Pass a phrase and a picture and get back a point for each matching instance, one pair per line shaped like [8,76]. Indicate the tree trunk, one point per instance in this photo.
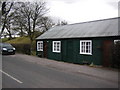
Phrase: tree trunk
[9,33]
[3,28]
[21,33]
[4,23]
[31,43]
[10,36]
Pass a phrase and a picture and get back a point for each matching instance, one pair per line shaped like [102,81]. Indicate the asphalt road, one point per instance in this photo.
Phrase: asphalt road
[18,73]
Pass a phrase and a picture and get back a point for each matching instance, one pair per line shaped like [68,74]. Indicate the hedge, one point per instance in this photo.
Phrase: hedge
[22,48]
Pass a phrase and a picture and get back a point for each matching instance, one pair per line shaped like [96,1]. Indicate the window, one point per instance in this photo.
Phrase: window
[56,46]
[40,46]
[86,47]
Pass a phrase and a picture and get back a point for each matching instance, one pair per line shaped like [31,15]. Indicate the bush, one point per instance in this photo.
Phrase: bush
[22,48]
[22,45]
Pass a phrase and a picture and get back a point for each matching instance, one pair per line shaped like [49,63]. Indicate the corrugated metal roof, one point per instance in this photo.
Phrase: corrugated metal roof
[98,28]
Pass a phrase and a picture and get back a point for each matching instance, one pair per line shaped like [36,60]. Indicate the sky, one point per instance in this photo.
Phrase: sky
[75,11]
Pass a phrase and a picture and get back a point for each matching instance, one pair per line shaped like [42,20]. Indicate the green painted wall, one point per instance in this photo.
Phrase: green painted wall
[96,56]
[70,51]
[51,54]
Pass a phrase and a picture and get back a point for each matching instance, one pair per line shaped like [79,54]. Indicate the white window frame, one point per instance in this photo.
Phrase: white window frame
[39,45]
[84,47]
[56,48]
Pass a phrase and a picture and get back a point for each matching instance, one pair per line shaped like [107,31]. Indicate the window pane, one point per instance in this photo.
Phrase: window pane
[82,43]
[82,49]
[56,46]
[58,43]
[57,49]
[87,43]
[85,47]
[40,46]
[82,46]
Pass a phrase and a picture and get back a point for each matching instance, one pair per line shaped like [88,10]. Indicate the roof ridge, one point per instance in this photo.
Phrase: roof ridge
[109,27]
[93,21]
[87,22]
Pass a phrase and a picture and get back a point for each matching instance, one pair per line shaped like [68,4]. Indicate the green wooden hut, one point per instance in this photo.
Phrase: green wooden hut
[87,42]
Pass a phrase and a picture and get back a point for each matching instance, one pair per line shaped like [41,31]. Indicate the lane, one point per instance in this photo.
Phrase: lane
[10,83]
[36,76]
[11,76]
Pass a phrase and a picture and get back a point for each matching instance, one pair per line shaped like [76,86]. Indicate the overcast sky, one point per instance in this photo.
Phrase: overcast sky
[74,11]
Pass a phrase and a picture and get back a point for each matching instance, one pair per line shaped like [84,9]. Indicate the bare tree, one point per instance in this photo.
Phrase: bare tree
[19,19]
[46,23]
[61,23]
[6,8]
[29,16]
[38,11]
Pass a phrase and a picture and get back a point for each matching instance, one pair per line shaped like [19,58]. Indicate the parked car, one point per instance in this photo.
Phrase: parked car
[7,48]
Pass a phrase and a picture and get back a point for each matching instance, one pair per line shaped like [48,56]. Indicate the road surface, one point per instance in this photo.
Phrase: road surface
[19,73]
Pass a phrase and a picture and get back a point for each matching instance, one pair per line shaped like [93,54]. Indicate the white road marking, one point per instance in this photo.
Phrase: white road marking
[11,76]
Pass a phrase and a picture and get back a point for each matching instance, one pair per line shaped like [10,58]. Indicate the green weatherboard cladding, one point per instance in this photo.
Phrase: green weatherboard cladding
[51,54]
[100,32]
[70,51]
